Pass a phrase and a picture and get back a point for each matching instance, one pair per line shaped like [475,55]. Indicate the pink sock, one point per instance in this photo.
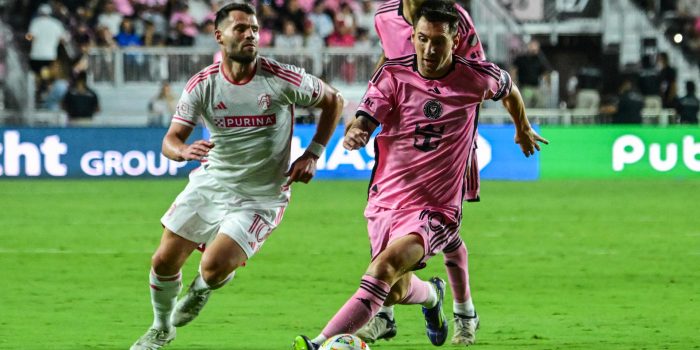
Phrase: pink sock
[360,308]
[418,291]
[458,271]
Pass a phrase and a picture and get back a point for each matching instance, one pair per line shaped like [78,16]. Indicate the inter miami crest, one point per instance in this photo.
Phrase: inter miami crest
[432,109]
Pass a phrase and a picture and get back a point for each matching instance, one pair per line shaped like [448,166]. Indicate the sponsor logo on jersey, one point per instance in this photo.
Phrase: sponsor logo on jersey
[245,121]
[264,102]
[432,109]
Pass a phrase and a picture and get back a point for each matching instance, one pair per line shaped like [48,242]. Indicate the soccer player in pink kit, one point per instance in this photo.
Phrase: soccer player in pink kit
[427,104]
[235,200]
[393,25]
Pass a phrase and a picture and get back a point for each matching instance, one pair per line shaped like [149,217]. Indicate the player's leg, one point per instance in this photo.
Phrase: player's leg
[219,262]
[408,290]
[466,321]
[165,282]
[400,257]
[242,234]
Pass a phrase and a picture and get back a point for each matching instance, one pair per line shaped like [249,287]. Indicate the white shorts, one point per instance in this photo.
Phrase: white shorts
[205,208]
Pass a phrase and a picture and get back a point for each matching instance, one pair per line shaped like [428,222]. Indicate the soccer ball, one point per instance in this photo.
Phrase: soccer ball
[344,342]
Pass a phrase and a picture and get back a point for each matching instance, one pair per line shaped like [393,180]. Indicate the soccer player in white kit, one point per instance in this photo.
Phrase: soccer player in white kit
[235,200]
[428,106]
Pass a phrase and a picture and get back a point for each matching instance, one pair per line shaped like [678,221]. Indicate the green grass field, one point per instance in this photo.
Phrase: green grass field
[554,265]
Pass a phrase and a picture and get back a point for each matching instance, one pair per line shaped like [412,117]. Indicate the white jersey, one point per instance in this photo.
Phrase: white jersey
[250,124]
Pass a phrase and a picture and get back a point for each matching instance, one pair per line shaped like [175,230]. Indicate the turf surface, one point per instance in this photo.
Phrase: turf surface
[554,265]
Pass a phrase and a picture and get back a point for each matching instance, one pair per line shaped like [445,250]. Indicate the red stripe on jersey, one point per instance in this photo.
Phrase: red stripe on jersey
[184,120]
[199,78]
[292,77]
[201,73]
[279,67]
[289,80]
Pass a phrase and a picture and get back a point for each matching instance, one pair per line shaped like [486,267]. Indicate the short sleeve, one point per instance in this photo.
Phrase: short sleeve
[377,102]
[296,85]
[470,46]
[497,81]
[189,107]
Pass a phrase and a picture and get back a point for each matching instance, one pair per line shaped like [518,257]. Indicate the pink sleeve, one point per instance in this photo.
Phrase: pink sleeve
[377,103]
[498,80]
[470,44]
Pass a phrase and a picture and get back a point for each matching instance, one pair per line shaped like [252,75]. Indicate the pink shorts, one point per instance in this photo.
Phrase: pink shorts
[437,227]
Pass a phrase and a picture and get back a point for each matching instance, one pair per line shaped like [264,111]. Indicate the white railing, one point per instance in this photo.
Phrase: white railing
[139,65]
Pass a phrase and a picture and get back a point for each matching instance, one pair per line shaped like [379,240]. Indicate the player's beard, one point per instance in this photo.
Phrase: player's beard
[243,57]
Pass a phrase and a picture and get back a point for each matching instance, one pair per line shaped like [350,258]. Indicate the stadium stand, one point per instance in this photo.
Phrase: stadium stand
[130,46]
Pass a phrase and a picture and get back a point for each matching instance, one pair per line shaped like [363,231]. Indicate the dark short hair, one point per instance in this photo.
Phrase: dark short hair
[438,11]
[223,12]
[690,87]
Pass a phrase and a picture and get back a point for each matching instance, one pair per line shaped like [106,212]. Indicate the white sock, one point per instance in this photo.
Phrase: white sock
[164,291]
[388,310]
[466,308]
[319,340]
[432,298]
[200,284]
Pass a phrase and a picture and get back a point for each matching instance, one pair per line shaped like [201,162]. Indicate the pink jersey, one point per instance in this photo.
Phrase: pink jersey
[395,32]
[428,128]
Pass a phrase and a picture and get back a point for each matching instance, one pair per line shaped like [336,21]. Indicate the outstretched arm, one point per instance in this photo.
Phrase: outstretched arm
[303,168]
[525,136]
[175,148]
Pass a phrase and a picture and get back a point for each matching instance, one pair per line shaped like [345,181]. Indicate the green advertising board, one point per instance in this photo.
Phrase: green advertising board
[620,152]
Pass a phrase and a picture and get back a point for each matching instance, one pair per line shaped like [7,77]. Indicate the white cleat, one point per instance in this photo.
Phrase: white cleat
[154,339]
[189,306]
[379,327]
[465,329]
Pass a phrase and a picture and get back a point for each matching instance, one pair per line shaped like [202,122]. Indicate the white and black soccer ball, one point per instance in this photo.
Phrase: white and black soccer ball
[344,342]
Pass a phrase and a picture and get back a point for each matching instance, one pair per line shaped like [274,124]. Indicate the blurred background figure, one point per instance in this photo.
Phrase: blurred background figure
[627,107]
[668,89]
[80,102]
[530,69]
[45,33]
[688,106]
[162,106]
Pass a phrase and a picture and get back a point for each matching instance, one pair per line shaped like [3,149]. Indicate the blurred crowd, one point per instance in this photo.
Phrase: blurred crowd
[60,34]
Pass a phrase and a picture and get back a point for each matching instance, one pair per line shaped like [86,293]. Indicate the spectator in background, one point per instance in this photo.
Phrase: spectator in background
[45,33]
[530,68]
[627,109]
[127,35]
[80,102]
[205,37]
[312,40]
[346,16]
[161,107]
[365,19]
[179,36]
[343,37]
[688,106]
[55,84]
[323,23]
[289,38]
[650,85]
[667,79]
[587,92]
[110,18]
[104,38]
[293,12]
[151,37]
